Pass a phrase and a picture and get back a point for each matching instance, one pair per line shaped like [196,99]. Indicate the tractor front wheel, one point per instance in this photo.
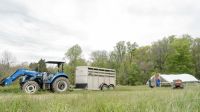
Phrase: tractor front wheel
[60,85]
[30,87]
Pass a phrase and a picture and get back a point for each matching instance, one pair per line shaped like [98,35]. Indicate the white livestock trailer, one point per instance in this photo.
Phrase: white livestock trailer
[93,78]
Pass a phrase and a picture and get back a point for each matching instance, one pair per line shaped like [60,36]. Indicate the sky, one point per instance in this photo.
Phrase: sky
[35,29]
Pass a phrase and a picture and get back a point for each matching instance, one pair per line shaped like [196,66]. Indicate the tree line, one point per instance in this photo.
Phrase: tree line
[134,64]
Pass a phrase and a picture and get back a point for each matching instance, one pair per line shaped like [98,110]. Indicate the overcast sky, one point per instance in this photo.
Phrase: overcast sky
[34,29]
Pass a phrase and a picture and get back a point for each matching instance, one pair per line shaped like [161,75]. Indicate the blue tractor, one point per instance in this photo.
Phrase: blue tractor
[32,81]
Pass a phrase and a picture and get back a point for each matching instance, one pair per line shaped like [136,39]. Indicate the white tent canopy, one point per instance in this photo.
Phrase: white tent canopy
[170,77]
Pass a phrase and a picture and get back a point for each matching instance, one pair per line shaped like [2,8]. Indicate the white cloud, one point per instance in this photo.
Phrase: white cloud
[37,29]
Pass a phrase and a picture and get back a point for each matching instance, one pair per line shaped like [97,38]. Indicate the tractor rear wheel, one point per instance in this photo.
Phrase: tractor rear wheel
[30,87]
[60,85]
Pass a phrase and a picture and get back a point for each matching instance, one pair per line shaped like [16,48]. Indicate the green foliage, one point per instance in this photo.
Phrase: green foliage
[70,71]
[40,66]
[120,52]
[144,62]
[160,51]
[173,55]
[196,56]
[180,57]
[33,66]
[133,74]
[73,54]
[100,59]
[123,56]
[134,65]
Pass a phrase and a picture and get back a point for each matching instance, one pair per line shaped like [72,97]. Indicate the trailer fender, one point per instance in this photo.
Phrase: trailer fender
[103,86]
[112,85]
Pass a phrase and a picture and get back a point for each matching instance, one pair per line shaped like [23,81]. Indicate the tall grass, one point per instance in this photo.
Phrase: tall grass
[123,99]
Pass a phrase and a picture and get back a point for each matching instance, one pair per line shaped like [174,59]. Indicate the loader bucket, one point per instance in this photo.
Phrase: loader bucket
[2,81]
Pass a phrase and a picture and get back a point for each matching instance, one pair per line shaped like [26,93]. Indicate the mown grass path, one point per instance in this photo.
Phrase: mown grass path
[122,99]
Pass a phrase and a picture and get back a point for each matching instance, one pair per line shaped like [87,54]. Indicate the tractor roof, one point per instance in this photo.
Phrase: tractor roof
[55,62]
[59,63]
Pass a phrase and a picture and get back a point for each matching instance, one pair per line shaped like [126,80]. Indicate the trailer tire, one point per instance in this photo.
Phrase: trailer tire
[104,87]
[60,85]
[30,87]
[111,87]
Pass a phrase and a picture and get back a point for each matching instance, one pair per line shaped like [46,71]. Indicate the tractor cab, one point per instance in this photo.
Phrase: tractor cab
[53,72]
[52,79]
[60,65]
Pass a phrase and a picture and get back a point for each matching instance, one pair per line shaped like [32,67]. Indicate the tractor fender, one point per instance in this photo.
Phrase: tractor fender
[57,76]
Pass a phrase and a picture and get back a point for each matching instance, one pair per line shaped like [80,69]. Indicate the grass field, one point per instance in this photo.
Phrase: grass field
[122,99]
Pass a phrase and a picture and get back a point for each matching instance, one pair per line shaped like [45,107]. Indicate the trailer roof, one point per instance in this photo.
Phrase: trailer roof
[89,67]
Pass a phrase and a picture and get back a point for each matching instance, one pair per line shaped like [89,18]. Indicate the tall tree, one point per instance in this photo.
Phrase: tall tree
[120,51]
[159,53]
[74,53]
[119,55]
[131,48]
[180,58]
[33,66]
[122,58]
[6,60]
[196,56]
[144,62]
[74,56]
[41,66]
[100,59]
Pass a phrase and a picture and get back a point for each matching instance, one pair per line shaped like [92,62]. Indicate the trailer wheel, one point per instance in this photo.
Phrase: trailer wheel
[30,87]
[111,87]
[104,87]
[60,85]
